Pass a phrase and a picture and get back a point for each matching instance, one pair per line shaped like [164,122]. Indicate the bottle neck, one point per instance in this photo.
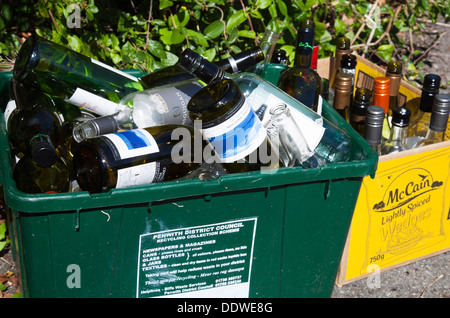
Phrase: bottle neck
[398,134]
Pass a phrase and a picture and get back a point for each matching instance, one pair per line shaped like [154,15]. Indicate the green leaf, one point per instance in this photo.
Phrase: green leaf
[75,43]
[128,50]
[385,51]
[247,34]
[263,4]
[214,29]
[282,7]
[165,4]
[236,19]
[156,49]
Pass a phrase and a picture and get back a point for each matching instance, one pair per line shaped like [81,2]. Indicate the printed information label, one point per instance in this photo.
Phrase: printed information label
[204,261]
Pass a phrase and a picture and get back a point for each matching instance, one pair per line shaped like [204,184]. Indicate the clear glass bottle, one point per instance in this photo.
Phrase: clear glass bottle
[420,122]
[381,98]
[71,76]
[293,147]
[438,121]
[342,94]
[394,73]
[358,111]
[374,127]
[301,81]
[137,157]
[332,143]
[397,138]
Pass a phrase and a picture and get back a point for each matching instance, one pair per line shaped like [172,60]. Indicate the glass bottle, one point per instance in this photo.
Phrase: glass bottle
[381,98]
[394,73]
[358,111]
[342,47]
[348,66]
[232,128]
[33,178]
[137,157]
[161,105]
[342,94]
[175,74]
[438,121]
[397,138]
[294,150]
[374,127]
[71,76]
[325,138]
[301,81]
[267,45]
[419,123]
[34,125]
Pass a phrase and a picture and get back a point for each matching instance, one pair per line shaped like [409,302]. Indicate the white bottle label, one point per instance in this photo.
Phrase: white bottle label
[112,69]
[93,103]
[237,136]
[8,110]
[136,175]
[132,143]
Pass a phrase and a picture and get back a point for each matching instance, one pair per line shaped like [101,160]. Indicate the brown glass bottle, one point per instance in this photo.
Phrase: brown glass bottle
[394,73]
[342,94]
[342,47]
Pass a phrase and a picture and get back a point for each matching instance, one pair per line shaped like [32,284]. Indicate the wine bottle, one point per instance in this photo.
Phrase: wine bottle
[348,66]
[374,127]
[262,96]
[175,74]
[381,98]
[301,81]
[232,128]
[358,111]
[397,137]
[138,157]
[342,94]
[420,122]
[33,178]
[34,125]
[71,76]
[342,47]
[394,73]
[438,121]
[160,105]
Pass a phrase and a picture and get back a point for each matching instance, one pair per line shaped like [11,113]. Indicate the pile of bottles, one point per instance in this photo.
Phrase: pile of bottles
[77,124]
[374,110]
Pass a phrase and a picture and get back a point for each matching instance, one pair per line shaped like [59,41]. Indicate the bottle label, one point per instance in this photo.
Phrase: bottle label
[93,103]
[112,69]
[131,143]
[8,110]
[237,136]
[170,102]
[142,174]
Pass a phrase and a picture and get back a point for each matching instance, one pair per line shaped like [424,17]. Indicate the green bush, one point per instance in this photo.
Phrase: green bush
[150,34]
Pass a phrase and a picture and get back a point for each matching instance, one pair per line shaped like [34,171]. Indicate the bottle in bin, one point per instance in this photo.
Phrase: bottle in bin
[330,142]
[397,138]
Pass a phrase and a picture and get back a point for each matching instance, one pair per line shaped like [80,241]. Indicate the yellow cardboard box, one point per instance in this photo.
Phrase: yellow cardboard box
[402,214]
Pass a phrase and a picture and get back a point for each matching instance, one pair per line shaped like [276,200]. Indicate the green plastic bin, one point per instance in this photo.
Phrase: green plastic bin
[243,235]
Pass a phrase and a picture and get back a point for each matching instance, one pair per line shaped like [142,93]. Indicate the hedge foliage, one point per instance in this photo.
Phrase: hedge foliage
[150,34]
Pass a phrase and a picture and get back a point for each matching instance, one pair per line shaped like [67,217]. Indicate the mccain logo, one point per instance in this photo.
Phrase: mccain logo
[406,187]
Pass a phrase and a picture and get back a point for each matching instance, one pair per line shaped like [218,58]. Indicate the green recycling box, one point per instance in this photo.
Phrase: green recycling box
[255,234]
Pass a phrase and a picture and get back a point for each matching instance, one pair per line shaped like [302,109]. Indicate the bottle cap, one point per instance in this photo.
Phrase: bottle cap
[401,116]
[431,83]
[381,92]
[348,61]
[361,101]
[305,36]
[189,60]
[42,151]
[202,68]
[374,124]
[343,81]
[440,113]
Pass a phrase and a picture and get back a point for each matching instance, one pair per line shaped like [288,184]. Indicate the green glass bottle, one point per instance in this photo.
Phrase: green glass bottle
[71,76]
[32,178]
[138,157]
[394,73]
[358,111]
[342,47]
[301,81]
